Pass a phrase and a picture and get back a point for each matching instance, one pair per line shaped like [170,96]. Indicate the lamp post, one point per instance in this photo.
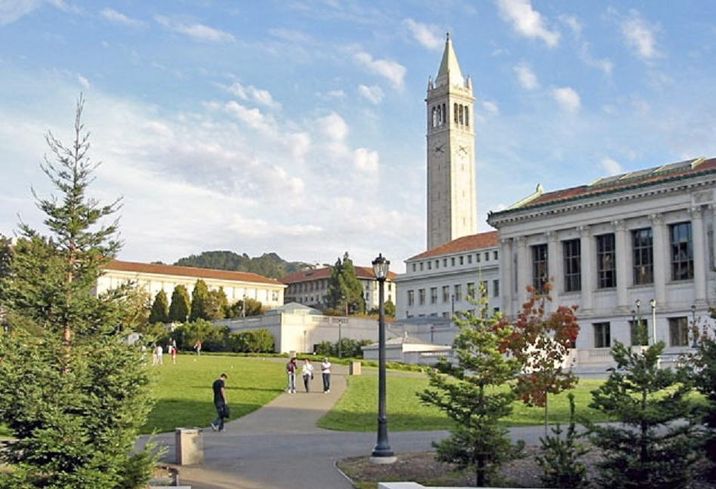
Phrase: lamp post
[694,329]
[652,303]
[382,453]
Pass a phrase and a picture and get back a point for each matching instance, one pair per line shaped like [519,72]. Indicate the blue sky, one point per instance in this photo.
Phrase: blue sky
[299,126]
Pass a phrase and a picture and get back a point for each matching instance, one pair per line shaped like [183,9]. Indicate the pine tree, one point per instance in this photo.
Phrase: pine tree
[468,393]
[655,445]
[216,305]
[180,306]
[199,300]
[345,292]
[72,392]
[160,308]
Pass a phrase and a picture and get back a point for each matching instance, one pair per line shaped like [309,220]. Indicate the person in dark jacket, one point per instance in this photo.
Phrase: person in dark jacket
[220,403]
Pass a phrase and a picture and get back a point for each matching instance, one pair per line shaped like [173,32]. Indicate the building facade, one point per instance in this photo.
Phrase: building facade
[155,277]
[310,287]
[452,208]
[637,246]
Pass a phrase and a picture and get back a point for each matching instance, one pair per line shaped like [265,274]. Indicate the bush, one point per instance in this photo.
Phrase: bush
[256,341]
[349,348]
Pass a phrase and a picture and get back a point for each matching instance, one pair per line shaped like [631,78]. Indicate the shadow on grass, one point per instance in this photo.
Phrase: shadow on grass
[169,414]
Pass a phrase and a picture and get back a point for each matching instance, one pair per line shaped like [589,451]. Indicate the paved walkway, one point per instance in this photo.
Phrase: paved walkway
[279,445]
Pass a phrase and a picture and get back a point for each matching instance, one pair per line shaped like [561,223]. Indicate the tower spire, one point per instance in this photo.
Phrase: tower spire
[449,71]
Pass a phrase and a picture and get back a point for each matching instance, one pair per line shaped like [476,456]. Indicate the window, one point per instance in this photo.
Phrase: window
[572,252]
[539,267]
[437,264]
[446,314]
[421,297]
[461,260]
[469,259]
[496,288]
[483,288]
[477,257]
[446,293]
[487,256]
[452,261]
[495,255]
[421,266]
[458,292]
[454,109]
[414,266]
[682,251]
[642,245]
[433,295]
[606,258]
[411,297]
[639,337]
[467,115]
[470,290]
[444,262]
[679,331]
[430,265]
[602,337]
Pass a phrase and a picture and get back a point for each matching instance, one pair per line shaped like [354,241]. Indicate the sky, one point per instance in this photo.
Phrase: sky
[298,127]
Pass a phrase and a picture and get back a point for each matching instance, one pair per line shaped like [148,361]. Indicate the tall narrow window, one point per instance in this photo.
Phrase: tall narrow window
[483,289]
[606,261]
[679,331]
[572,253]
[639,332]
[433,295]
[539,267]
[471,290]
[446,293]
[434,119]
[458,293]
[411,297]
[421,297]
[445,115]
[467,116]
[642,245]
[495,288]
[682,251]
[454,108]
[602,335]
[461,115]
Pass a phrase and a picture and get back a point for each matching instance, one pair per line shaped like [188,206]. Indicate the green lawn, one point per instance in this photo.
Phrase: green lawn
[356,410]
[184,396]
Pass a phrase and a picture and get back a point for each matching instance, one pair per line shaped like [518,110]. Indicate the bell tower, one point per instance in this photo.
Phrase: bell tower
[452,205]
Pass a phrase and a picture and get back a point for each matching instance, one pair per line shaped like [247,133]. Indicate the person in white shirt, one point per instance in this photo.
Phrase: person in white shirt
[326,374]
[160,355]
[307,373]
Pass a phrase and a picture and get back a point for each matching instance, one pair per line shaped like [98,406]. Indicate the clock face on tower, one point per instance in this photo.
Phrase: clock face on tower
[439,148]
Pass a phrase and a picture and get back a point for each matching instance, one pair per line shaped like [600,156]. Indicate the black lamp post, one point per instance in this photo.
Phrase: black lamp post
[694,329]
[382,453]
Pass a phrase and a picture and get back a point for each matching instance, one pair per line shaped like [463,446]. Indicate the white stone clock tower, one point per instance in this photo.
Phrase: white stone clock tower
[452,206]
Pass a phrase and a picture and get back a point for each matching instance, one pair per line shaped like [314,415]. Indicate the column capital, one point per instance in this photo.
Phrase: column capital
[505,241]
[696,212]
[551,236]
[585,231]
[619,224]
[521,241]
[657,219]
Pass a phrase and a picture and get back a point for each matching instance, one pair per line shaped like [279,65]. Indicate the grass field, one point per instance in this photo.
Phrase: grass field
[356,410]
[184,396]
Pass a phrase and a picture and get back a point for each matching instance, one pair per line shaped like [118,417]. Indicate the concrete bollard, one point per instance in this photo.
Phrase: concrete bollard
[354,368]
[189,446]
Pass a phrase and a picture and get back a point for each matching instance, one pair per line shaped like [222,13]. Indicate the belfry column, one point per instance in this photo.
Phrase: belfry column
[620,239]
[585,234]
[661,263]
[700,261]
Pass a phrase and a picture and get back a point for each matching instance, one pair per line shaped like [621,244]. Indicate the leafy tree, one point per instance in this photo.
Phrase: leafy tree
[73,394]
[655,444]
[136,307]
[160,308]
[256,341]
[199,300]
[216,304]
[180,306]
[541,342]
[388,308]
[268,264]
[246,307]
[345,292]
[469,393]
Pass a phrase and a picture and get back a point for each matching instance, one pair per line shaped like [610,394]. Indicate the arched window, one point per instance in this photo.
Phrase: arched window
[445,114]
[467,115]
[434,119]
[455,112]
[440,115]
[461,115]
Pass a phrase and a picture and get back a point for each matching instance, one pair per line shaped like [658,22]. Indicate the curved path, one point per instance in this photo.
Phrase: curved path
[279,445]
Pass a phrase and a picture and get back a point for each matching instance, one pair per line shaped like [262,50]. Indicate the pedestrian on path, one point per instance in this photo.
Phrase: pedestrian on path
[159,355]
[326,374]
[220,403]
[291,371]
[307,373]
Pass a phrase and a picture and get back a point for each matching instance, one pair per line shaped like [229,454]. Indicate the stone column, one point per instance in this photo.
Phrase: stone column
[554,263]
[523,271]
[587,269]
[622,263]
[700,259]
[506,287]
[661,258]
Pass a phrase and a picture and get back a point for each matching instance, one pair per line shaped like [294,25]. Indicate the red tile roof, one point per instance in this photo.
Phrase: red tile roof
[325,272]
[640,178]
[207,273]
[466,243]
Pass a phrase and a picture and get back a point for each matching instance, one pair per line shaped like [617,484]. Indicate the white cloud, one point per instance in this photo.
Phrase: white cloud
[12,10]
[567,98]
[390,70]
[199,32]
[119,18]
[573,23]
[612,167]
[374,94]
[490,107]
[427,35]
[335,94]
[252,117]
[526,21]
[526,76]
[333,126]
[253,94]
[640,36]
[84,82]
[365,160]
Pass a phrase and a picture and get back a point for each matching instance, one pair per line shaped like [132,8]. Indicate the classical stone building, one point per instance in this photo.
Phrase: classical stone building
[310,287]
[155,277]
[635,245]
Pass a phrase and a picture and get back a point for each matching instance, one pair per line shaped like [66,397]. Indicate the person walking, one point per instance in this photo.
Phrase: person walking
[220,403]
[291,371]
[326,374]
[307,373]
[197,347]
[160,355]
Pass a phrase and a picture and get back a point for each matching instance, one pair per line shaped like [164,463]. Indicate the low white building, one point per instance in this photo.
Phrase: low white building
[446,279]
[407,349]
[614,248]
[154,277]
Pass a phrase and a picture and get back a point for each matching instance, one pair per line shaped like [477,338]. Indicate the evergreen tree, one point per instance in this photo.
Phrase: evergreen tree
[655,445]
[160,308]
[180,305]
[72,392]
[468,393]
[199,300]
[5,256]
[345,292]
[246,307]
[216,305]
